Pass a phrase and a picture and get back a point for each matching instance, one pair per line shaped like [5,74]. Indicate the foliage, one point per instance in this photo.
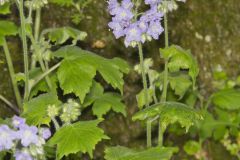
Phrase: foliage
[77,137]
[123,153]
[35,111]
[170,112]
[227,99]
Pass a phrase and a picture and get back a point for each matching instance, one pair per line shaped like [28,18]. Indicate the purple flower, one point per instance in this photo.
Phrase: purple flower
[46,133]
[133,34]
[18,121]
[117,29]
[155,29]
[112,5]
[143,25]
[123,14]
[127,4]
[19,155]
[7,136]
[28,135]
[135,29]
[152,15]
[152,2]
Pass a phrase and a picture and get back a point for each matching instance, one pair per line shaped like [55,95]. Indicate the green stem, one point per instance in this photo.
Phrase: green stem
[36,33]
[37,24]
[44,70]
[144,79]
[38,79]
[165,83]
[10,105]
[55,123]
[25,49]
[12,74]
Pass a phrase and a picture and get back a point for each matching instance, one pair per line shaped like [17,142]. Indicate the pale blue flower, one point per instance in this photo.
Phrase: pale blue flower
[28,135]
[46,133]
[18,121]
[7,136]
[19,155]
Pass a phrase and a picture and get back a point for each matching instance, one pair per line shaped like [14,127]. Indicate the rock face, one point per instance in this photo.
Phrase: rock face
[209,28]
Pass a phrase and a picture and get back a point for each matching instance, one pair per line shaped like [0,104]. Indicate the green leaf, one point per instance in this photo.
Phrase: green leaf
[5,8]
[141,98]
[77,137]
[108,101]
[7,28]
[75,76]
[180,84]
[35,110]
[42,86]
[79,67]
[103,102]
[227,99]
[216,126]
[192,147]
[154,153]
[62,2]
[181,59]
[61,35]
[170,113]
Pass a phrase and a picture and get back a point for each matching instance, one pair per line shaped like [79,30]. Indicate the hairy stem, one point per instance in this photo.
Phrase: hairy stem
[25,49]
[12,74]
[47,78]
[144,79]
[10,105]
[55,123]
[38,79]
[36,33]
[165,81]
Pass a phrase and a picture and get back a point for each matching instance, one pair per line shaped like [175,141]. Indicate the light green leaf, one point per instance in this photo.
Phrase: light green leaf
[62,2]
[141,98]
[77,137]
[103,102]
[61,35]
[79,68]
[123,153]
[5,8]
[227,99]
[75,76]
[35,110]
[95,91]
[180,84]
[170,113]
[181,59]
[42,86]
[107,101]
[192,147]
[7,28]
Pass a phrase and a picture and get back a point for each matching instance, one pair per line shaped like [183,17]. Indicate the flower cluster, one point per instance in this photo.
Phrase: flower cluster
[25,141]
[126,23]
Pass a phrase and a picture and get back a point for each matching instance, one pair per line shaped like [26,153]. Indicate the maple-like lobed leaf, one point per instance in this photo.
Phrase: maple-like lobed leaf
[81,137]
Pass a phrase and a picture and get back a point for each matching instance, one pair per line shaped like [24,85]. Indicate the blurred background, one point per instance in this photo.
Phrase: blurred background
[209,28]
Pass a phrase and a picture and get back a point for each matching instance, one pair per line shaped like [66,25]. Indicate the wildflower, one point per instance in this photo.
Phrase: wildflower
[45,133]
[19,155]
[135,29]
[18,121]
[28,135]
[7,136]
